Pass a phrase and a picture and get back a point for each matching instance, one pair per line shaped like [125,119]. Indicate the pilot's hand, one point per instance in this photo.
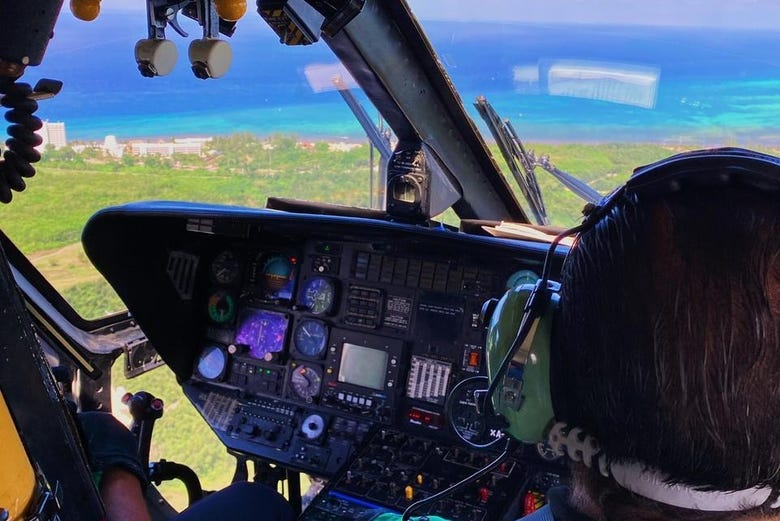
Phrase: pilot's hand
[110,444]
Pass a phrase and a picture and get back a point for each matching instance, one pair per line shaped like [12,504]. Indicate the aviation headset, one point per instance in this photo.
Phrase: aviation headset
[520,325]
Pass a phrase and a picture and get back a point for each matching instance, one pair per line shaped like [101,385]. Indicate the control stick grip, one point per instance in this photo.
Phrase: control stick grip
[145,409]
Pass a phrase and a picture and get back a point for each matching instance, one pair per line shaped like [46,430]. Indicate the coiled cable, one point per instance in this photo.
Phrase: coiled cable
[20,149]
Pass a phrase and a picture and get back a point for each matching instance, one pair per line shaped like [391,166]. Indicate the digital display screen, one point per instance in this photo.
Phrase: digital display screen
[262,331]
[440,318]
[363,366]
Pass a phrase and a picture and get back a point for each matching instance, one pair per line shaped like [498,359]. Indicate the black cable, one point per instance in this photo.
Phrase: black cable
[20,149]
[509,448]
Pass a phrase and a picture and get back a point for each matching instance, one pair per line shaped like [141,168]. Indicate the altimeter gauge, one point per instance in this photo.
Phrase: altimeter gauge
[306,381]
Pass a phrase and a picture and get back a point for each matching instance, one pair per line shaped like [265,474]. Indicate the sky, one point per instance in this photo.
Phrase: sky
[711,13]
[763,14]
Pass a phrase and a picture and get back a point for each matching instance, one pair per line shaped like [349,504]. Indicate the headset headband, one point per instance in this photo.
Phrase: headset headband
[699,169]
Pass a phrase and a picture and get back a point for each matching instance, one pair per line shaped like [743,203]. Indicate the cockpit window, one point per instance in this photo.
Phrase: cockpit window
[276,125]
[597,88]
[583,89]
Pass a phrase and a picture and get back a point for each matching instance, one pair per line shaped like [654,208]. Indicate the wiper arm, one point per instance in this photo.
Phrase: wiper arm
[379,140]
[520,163]
[576,185]
[512,147]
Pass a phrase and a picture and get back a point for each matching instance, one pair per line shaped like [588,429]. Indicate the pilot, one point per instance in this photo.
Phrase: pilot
[121,479]
[667,354]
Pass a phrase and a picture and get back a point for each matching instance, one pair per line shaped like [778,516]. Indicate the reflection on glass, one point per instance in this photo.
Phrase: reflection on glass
[621,83]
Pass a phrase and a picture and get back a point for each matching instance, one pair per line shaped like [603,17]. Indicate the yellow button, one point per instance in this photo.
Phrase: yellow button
[86,10]
[230,10]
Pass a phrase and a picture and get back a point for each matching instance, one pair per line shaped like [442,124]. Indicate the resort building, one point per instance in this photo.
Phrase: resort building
[169,148]
[52,133]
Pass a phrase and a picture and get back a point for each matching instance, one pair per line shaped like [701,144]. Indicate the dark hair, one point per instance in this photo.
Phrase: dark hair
[669,346]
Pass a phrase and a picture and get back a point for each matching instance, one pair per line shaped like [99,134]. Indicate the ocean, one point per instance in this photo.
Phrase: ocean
[651,84]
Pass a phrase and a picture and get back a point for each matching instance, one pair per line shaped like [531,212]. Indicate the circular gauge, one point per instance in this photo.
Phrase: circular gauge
[221,307]
[313,426]
[305,381]
[521,277]
[318,295]
[477,430]
[310,337]
[276,273]
[212,362]
[225,268]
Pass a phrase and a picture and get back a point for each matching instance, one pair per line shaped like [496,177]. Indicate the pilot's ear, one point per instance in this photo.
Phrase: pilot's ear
[772,284]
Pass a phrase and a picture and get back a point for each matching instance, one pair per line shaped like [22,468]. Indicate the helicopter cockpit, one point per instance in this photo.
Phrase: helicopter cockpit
[344,339]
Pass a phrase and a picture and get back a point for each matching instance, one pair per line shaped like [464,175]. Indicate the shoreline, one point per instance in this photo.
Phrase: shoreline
[671,144]
[160,138]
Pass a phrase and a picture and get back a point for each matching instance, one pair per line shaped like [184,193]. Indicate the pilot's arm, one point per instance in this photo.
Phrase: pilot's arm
[123,496]
[118,472]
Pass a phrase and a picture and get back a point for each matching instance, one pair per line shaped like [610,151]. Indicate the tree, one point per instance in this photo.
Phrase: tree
[238,153]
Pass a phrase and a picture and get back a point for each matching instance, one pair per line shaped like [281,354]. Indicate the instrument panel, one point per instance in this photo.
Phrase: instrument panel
[300,337]
[370,331]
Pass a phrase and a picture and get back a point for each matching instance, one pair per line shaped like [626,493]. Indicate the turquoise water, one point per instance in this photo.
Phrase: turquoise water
[302,120]
[710,87]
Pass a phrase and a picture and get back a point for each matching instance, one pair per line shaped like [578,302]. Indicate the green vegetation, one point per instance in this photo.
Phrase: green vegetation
[66,192]
[181,435]
[603,167]
[94,298]
[46,222]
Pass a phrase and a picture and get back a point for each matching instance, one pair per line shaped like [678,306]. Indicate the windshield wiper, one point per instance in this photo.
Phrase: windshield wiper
[523,163]
[576,185]
[378,137]
[520,163]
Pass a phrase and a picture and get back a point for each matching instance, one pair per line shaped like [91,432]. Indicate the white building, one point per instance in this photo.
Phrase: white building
[193,145]
[52,133]
[112,146]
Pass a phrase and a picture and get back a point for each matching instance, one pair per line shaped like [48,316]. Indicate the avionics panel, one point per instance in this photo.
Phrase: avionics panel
[297,336]
[362,374]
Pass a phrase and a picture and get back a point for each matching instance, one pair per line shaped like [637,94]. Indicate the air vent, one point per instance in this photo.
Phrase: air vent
[181,270]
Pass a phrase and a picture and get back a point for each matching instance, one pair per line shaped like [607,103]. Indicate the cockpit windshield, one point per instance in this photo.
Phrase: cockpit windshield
[585,89]
[294,204]
[597,88]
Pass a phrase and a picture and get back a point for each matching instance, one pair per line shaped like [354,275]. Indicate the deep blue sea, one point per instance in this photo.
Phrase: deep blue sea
[712,87]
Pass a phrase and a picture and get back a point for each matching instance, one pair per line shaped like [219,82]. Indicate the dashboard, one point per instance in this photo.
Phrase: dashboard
[328,345]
